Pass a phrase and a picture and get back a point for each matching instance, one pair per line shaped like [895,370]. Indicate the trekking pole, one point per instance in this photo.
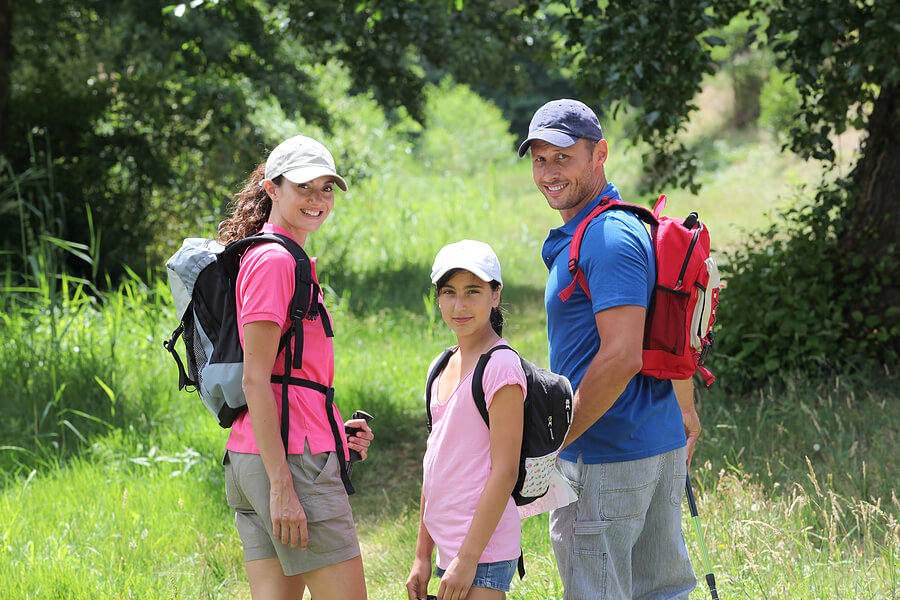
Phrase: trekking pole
[710,578]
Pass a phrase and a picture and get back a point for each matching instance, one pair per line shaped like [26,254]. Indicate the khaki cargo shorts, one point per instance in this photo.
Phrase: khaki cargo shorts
[317,481]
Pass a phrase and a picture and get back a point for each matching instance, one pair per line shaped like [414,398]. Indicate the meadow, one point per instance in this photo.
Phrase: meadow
[112,486]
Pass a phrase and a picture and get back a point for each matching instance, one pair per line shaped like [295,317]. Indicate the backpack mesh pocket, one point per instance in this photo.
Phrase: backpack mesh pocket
[669,316]
[196,355]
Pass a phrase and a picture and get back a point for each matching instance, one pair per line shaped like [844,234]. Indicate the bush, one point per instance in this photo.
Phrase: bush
[779,101]
[797,302]
[464,133]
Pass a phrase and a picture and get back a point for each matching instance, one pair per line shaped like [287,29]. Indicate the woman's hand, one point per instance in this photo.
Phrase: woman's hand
[361,439]
[417,582]
[457,580]
[288,516]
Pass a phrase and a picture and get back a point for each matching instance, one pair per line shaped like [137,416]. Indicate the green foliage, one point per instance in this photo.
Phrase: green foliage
[840,55]
[796,301]
[465,134]
[779,99]
[147,108]
[623,54]
[69,374]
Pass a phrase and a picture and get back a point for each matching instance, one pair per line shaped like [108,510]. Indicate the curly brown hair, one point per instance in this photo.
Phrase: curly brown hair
[249,209]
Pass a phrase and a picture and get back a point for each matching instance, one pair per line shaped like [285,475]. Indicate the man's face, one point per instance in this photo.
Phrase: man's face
[569,177]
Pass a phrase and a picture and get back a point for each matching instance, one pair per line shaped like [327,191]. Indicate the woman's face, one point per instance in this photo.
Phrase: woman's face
[466,302]
[301,208]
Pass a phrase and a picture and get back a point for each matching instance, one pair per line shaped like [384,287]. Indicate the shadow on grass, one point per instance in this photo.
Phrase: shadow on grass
[388,482]
[406,287]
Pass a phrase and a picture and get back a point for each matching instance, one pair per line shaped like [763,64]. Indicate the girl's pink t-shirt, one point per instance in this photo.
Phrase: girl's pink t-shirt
[458,461]
[265,287]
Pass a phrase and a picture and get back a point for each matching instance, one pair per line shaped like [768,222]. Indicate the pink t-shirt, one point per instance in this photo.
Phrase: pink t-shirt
[265,287]
[458,461]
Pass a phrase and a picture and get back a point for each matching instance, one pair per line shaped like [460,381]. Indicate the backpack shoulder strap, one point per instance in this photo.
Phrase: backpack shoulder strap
[436,370]
[606,203]
[575,250]
[478,382]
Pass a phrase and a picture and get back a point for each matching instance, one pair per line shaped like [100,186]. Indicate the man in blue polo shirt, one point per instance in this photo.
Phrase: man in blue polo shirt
[632,435]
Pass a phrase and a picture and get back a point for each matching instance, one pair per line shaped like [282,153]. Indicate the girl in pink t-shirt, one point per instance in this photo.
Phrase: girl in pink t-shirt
[467,511]
[291,508]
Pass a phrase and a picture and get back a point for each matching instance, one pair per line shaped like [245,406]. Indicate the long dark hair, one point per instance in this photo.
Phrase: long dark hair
[249,209]
[496,311]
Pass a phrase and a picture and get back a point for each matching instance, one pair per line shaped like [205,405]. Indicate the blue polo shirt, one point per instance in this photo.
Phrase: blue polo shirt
[618,262]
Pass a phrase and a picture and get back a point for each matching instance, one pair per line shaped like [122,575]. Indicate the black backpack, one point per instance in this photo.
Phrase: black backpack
[202,276]
[548,415]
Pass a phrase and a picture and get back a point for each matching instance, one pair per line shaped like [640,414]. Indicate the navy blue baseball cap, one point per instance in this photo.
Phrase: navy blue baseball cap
[562,123]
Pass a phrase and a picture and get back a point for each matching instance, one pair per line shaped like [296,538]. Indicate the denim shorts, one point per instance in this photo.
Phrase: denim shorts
[495,575]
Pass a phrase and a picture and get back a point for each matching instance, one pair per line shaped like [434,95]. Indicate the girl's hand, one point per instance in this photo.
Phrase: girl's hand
[361,439]
[417,582]
[288,516]
[457,580]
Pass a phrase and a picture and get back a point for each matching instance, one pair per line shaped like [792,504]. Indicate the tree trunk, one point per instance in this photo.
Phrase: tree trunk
[6,52]
[875,219]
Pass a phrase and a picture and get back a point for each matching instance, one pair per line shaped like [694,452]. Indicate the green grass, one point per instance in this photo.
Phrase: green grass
[795,489]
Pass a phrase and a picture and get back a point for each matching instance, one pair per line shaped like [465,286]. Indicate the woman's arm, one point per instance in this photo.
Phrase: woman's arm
[507,417]
[417,582]
[260,350]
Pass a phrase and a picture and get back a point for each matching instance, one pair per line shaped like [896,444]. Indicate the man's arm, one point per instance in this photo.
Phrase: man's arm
[621,330]
[684,392]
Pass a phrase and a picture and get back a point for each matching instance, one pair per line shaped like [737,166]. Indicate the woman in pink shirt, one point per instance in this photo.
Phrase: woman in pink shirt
[467,510]
[291,507]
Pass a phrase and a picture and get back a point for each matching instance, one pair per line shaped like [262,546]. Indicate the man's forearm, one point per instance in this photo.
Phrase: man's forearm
[602,384]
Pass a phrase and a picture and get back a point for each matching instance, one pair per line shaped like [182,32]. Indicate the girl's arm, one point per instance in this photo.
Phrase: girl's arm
[507,417]
[260,350]
[417,582]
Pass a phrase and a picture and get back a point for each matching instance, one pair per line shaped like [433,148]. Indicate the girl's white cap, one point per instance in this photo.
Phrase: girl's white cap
[301,159]
[471,255]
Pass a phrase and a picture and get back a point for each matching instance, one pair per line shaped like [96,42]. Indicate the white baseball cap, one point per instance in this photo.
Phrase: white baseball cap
[300,159]
[471,255]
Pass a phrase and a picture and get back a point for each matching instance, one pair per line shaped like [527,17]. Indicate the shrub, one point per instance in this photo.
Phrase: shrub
[796,301]
[464,133]
[779,101]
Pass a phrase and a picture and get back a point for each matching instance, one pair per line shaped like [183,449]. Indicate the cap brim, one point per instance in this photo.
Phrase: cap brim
[479,273]
[306,174]
[551,136]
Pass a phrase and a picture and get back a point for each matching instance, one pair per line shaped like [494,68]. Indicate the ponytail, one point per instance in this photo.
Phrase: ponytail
[249,209]
[497,320]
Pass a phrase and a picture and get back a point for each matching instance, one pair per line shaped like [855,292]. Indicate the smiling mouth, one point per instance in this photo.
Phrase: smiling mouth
[311,213]
[555,188]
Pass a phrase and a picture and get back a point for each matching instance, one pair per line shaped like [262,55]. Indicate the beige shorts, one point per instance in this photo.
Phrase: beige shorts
[317,481]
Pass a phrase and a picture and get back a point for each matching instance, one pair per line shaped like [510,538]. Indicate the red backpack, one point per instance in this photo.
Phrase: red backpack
[678,329]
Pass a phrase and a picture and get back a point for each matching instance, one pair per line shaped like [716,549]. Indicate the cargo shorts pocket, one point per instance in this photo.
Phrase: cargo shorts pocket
[329,519]
[590,560]
[589,537]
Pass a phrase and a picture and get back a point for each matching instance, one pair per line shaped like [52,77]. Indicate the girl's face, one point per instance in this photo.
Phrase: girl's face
[301,208]
[466,302]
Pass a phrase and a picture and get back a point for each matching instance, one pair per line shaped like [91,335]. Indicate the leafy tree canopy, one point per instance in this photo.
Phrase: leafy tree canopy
[144,109]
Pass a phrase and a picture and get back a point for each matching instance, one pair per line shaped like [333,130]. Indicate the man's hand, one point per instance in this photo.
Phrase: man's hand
[684,392]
